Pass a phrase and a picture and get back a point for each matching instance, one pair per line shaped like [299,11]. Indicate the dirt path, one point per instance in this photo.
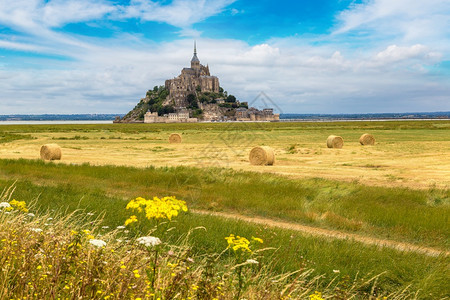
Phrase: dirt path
[334,234]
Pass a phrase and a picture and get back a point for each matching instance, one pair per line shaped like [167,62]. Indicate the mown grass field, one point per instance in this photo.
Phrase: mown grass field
[408,153]
[398,189]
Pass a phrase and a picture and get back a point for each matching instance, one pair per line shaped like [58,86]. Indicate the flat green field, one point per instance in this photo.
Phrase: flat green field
[397,190]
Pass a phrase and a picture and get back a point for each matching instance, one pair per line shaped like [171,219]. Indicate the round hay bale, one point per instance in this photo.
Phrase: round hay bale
[367,139]
[51,152]
[334,141]
[175,138]
[262,156]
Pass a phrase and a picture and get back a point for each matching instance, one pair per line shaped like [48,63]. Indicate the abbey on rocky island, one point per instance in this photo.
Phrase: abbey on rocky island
[193,96]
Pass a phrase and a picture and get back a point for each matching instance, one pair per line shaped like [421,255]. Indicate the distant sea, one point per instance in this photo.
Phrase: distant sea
[58,119]
[374,116]
[108,118]
[50,122]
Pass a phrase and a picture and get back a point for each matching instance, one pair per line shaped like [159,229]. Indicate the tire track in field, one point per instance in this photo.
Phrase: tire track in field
[333,234]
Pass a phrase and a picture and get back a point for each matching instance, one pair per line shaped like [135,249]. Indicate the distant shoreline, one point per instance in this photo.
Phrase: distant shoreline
[54,122]
[93,122]
[109,118]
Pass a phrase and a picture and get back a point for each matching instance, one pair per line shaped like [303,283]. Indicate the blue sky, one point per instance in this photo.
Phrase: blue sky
[342,56]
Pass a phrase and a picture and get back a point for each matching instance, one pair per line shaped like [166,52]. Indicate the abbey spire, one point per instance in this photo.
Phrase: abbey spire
[195,62]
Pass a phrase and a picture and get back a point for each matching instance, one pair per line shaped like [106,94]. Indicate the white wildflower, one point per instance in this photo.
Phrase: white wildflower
[120,227]
[49,219]
[149,241]
[90,214]
[97,243]
[105,227]
[39,256]
[36,230]
[336,271]
[4,205]
[31,215]
[252,261]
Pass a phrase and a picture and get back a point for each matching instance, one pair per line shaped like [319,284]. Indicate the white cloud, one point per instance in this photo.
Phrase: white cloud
[259,54]
[110,75]
[395,53]
[109,79]
[411,21]
[179,13]
[59,12]
[21,46]
[36,14]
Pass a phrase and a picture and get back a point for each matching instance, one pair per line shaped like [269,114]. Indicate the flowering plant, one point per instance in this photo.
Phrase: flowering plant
[14,204]
[156,208]
[241,244]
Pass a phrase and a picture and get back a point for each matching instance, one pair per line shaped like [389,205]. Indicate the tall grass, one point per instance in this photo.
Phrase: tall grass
[420,217]
[54,255]
[106,190]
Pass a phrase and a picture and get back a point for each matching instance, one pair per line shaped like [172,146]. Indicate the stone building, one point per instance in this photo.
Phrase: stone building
[253,114]
[181,116]
[189,81]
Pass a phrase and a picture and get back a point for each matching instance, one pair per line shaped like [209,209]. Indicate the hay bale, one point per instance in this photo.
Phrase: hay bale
[175,138]
[367,139]
[334,141]
[262,156]
[51,152]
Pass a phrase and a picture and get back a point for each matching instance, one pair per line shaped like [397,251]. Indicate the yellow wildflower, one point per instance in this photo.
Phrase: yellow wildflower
[156,208]
[130,220]
[316,296]
[238,243]
[19,205]
[257,239]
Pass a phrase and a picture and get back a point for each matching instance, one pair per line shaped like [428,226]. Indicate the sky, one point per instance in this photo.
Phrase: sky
[328,56]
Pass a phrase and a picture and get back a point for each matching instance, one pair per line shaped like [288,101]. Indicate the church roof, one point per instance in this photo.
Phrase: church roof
[195,58]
